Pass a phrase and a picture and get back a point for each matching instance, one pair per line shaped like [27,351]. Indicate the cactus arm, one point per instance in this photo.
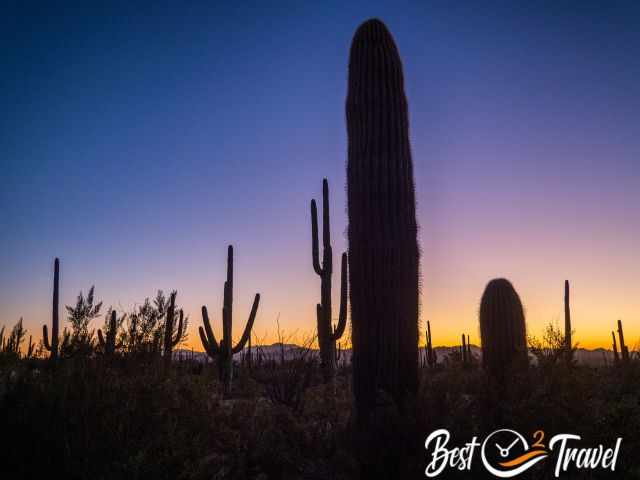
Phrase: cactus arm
[207,336]
[315,255]
[45,338]
[249,326]
[342,318]
[208,347]
[178,336]
[615,348]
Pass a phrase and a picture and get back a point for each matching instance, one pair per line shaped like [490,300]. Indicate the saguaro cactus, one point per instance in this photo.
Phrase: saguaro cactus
[171,340]
[469,358]
[624,350]
[224,351]
[616,357]
[430,353]
[326,337]
[463,350]
[502,328]
[383,246]
[567,324]
[53,346]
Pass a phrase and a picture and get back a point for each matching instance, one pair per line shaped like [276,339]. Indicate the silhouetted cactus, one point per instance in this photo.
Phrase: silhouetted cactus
[463,351]
[53,345]
[171,340]
[469,357]
[383,247]
[430,354]
[624,350]
[616,357]
[502,328]
[326,337]
[224,351]
[567,324]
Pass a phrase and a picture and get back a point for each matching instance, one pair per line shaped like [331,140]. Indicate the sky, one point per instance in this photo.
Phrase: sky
[139,139]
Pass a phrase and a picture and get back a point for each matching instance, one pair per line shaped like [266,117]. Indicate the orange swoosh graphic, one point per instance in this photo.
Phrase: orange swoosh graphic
[523,458]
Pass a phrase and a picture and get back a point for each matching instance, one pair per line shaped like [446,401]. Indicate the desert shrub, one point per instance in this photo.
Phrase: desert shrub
[125,417]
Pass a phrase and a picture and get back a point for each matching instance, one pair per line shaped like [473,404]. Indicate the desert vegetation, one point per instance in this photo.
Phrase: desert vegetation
[129,402]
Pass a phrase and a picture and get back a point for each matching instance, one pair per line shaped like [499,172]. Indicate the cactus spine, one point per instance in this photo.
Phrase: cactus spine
[53,346]
[224,351]
[568,345]
[326,337]
[624,350]
[502,328]
[383,247]
[170,341]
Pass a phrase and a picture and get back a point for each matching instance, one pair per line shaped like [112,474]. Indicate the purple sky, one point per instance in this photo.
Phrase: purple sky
[138,141]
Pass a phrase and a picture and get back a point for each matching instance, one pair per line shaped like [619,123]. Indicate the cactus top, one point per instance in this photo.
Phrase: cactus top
[502,326]
[380,169]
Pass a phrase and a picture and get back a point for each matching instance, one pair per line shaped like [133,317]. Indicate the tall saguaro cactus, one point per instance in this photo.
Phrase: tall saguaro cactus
[327,336]
[171,340]
[53,345]
[502,328]
[567,323]
[224,351]
[383,246]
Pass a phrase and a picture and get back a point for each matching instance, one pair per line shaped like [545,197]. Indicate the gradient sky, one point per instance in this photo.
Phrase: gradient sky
[137,141]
